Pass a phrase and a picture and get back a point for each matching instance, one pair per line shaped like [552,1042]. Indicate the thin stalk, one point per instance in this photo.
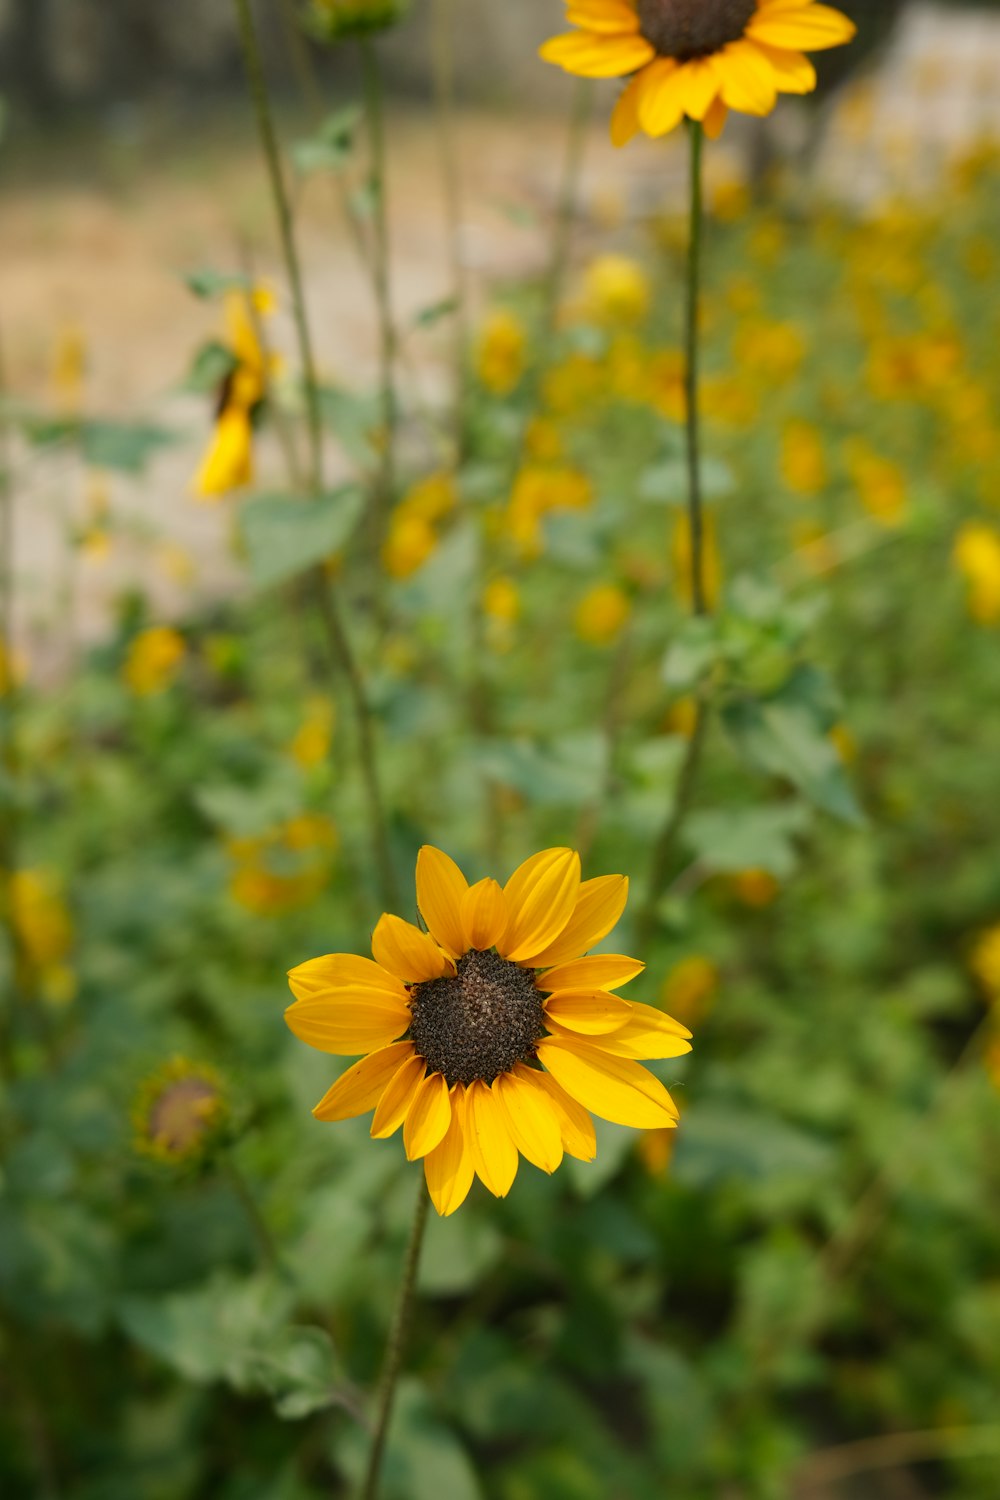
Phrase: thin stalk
[443,63]
[396,1347]
[371,73]
[327,602]
[663,850]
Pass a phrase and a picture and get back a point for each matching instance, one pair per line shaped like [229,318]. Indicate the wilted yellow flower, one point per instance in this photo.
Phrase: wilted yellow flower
[69,366]
[43,929]
[880,483]
[977,557]
[333,20]
[754,888]
[502,352]
[984,961]
[310,745]
[153,660]
[179,1112]
[616,290]
[711,572]
[602,614]
[690,988]
[802,463]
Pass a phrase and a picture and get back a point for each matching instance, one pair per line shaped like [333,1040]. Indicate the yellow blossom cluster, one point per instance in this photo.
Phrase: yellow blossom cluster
[285,868]
[413,528]
[153,660]
[43,930]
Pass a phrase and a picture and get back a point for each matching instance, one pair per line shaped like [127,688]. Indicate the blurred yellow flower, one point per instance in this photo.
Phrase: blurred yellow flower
[977,557]
[43,929]
[690,989]
[153,661]
[502,601]
[502,352]
[410,542]
[284,869]
[754,888]
[683,563]
[228,462]
[573,384]
[310,744]
[695,58]
[431,498]
[616,290]
[12,668]
[656,1150]
[69,367]
[774,351]
[179,1112]
[666,384]
[537,492]
[803,465]
[984,961]
[543,441]
[681,717]
[880,483]
[602,614]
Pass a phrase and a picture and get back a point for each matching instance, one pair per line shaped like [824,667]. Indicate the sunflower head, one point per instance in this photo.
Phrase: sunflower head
[179,1112]
[695,58]
[491,1034]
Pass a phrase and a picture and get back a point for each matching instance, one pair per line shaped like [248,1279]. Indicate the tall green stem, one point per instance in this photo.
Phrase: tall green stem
[396,1347]
[663,851]
[382,274]
[327,602]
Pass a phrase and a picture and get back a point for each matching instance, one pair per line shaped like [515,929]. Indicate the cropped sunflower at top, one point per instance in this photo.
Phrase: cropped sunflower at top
[695,58]
[490,1035]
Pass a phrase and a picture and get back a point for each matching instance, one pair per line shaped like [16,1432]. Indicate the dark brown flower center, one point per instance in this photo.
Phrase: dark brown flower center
[479,1023]
[180,1115]
[693,28]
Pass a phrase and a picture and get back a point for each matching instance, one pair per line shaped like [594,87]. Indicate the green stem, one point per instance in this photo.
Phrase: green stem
[663,850]
[326,598]
[375,115]
[396,1347]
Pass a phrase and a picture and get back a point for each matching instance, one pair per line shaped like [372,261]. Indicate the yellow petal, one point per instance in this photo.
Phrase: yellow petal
[494,1154]
[531,1117]
[413,956]
[448,1168]
[602,15]
[601,971]
[395,1102]
[793,72]
[625,115]
[541,896]
[228,464]
[715,120]
[348,1022]
[575,1125]
[699,87]
[648,1033]
[613,1088]
[809,28]
[588,55]
[440,888]
[427,1118]
[589,1011]
[362,1086]
[599,904]
[484,915]
[746,78]
[339,971]
[661,98]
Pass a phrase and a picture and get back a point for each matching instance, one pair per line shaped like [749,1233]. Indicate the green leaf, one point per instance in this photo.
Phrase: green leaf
[211,365]
[122,445]
[748,838]
[285,534]
[428,316]
[691,654]
[331,147]
[207,283]
[352,419]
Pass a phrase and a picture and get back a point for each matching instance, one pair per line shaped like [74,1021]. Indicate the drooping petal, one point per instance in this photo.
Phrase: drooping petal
[589,1011]
[602,15]
[746,78]
[348,1022]
[413,956]
[427,1118]
[440,888]
[601,971]
[398,1096]
[541,896]
[494,1154]
[625,115]
[611,55]
[575,1125]
[361,1087]
[806,28]
[339,971]
[793,72]
[661,100]
[599,904]
[484,915]
[613,1088]
[531,1117]
[448,1168]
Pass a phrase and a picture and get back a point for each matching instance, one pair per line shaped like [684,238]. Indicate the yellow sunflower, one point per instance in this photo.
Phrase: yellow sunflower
[490,1034]
[699,58]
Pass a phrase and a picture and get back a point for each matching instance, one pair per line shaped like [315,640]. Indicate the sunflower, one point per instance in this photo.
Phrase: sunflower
[699,58]
[490,1035]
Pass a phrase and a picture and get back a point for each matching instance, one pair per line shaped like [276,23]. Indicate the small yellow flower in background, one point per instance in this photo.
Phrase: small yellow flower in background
[333,20]
[732,399]
[228,462]
[543,441]
[310,745]
[666,384]
[681,717]
[153,661]
[984,962]
[44,933]
[881,484]
[285,869]
[501,355]
[502,601]
[682,558]
[94,539]
[69,368]
[410,542]
[691,988]
[754,888]
[695,58]
[602,614]
[432,498]
[12,668]
[179,1112]
[627,365]
[774,351]
[616,290]
[538,492]
[656,1150]
[573,384]
[977,557]
[803,465]
[489,1036]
